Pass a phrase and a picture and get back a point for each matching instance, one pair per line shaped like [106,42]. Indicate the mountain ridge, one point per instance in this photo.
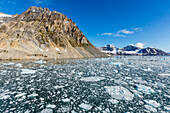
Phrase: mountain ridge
[41,33]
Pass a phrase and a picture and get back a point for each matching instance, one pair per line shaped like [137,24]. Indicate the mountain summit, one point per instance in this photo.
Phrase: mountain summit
[40,33]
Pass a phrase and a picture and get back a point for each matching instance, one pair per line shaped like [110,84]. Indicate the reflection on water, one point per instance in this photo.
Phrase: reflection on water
[117,84]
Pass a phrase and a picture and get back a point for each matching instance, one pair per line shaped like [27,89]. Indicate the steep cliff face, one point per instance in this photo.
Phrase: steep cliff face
[40,33]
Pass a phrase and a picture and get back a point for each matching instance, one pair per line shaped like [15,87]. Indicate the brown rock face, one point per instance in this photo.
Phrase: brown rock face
[40,33]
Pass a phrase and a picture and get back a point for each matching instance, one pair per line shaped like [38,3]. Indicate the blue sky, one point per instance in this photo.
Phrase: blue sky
[118,22]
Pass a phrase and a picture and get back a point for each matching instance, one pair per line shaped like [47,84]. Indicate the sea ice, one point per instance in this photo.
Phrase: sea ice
[150,108]
[32,95]
[144,89]
[92,79]
[4,97]
[40,62]
[85,106]
[20,95]
[167,107]
[113,101]
[27,71]
[66,100]
[152,103]
[52,106]
[119,92]
[57,49]
[47,111]
[164,75]
[8,64]
[58,87]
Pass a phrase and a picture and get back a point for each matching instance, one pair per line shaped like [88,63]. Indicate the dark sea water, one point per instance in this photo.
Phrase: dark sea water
[101,85]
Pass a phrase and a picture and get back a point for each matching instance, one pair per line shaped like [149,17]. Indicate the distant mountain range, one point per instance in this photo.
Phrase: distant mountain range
[131,50]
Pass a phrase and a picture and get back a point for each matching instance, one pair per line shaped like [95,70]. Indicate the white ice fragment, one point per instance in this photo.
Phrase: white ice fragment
[85,106]
[40,62]
[148,69]
[119,92]
[152,103]
[150,108]
[32,95]
[20,95]
[18,65]
[92,79]
[160,85]
[27,71]
[117,63]
[47,111]
[57,49]
[4,97]
[41,50]
[167,107]
[144,89]
[52,106]
[113,101]
[66,100]
[58,87]
[164,75]
[8,64]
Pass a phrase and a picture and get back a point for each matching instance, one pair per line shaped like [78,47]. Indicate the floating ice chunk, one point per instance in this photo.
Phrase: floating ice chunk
[113,101]
[144,89]
[167,107]
[18,65]
[58,87]
[8,64]
[47,111]
[52,106]
[41,50]
[4,97]
[149,69]
[150,108]
[119,92]
[152,103]
[85,106]
[160,85]
[80,73]
[32,95]
[40,62]
[20,95]
[164,75]
[57,49]
[66,100]
[27,71]
[92,79]
[128,78]
[117,63]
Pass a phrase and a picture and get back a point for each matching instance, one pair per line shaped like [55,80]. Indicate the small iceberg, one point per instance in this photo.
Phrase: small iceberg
[52,106]
[150,108]
[40,62]
[85,106]
[152,103]
[47,111]
[8,64]
[119,92]
[27,71]
[144,89]
[4,97]
[92,79]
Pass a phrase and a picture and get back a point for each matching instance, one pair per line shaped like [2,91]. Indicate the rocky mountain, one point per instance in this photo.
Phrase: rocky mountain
[40,33]
[152,52]
[131,47]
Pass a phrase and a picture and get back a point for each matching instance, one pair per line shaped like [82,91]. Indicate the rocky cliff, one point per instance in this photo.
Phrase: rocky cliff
[40,33]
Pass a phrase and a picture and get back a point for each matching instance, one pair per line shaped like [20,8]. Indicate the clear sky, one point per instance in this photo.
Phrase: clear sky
[118,22]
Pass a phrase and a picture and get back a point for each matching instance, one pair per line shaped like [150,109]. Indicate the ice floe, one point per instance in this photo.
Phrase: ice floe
[144,89]
[47,111]
[113,101]
[52,106]
[119,92]
[164,75]
[85,106]
[20,95]
[167,107]
[32,95]
[58,87]
[150,108]
[40,62]
[92,79]
[152,103]
[66,100]
[27,71]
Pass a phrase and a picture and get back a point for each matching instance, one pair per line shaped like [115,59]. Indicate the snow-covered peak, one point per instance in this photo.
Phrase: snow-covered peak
[5,15]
